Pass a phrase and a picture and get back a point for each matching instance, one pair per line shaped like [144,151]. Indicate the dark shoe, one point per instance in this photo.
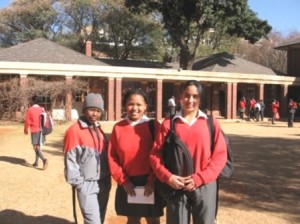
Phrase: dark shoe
[35,165]
[45,164]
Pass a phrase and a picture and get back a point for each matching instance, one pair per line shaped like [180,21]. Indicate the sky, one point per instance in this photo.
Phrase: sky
[282,15]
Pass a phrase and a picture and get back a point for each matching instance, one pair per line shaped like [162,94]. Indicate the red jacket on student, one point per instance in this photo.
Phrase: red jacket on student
[275,106]
[33,119]
[242,104]
[196,136]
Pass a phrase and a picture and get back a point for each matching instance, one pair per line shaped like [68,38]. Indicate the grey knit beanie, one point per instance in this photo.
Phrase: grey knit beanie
[93,100]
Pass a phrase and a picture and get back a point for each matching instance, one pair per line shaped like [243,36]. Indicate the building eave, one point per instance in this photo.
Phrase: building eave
[71,70]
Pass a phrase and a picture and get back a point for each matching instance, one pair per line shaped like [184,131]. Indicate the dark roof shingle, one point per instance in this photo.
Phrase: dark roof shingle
[44,51]
[290,44]
[224,62]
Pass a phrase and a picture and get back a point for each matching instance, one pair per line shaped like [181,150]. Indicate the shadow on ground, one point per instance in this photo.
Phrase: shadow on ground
[58,146]
[9,216]
[13,160]
[17,161]
[266,176]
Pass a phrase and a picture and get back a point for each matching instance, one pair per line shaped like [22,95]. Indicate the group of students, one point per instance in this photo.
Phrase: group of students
[255,109]
[133,157]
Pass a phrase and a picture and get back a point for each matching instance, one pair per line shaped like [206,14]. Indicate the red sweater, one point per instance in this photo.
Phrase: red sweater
[128,151]
[252,103]
[207,167]
[33,119]
[242,104]
[275,107]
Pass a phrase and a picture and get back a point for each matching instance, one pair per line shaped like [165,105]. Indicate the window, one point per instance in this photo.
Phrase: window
[250,91]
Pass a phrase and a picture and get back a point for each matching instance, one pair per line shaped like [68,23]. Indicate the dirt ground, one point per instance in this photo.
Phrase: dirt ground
[265,187]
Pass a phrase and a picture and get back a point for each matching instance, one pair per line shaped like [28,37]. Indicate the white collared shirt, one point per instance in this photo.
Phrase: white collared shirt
[199,114]
[140,121]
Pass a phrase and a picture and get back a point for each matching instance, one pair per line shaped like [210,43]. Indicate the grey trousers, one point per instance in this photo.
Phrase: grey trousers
[88,202]
[201,204]
[105,186]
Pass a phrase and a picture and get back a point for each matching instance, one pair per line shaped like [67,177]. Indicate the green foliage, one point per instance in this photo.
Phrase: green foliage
[130,35]
[187,21]
[26,20]
[113,30]
[136,31]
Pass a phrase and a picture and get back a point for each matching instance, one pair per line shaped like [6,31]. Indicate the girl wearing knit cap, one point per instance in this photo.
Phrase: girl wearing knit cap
[86,168]
[128,155]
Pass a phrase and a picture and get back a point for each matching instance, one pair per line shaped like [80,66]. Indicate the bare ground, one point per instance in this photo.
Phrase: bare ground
[265,187]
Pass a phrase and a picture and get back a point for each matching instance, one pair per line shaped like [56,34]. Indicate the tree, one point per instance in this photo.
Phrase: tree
[131,35]
[263,51]
[187,21]
[26,20]
[82,21]
[15,99]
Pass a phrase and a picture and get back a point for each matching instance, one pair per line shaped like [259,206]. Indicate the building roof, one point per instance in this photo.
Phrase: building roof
[44,51]
[136,63]
[224,62]
[220,62]
[294,44]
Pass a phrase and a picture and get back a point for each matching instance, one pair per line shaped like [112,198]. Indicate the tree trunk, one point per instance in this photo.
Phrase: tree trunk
[186,60]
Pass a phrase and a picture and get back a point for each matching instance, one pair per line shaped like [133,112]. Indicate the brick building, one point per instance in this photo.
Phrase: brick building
[293,66]
[225,78]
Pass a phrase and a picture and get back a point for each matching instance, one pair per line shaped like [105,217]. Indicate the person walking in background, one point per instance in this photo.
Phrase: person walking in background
[178,106]
[275,115]
[198,197]
[171,106]
[129,148]
[262,110]
[257,109]
[292,107]
[33,121]
[252,103]
[242,107]
[85,155]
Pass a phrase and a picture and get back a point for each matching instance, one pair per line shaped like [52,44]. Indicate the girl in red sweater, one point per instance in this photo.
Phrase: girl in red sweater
[33,122]
[275,107]
[197,192]
[128,155]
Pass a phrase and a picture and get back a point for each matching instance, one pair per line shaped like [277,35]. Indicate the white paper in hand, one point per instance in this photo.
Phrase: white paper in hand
[139,197]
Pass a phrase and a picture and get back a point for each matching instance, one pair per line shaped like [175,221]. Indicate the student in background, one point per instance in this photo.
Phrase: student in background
[130,144]
[262,110]
[275,106]
[292,107]
[33,121]
[252,103]
[242,107]
[257,109]
[171,106]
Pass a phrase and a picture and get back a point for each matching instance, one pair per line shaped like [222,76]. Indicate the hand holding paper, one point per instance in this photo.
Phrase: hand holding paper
[140,197]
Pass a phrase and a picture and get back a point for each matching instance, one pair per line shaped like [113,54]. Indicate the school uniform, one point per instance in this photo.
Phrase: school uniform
[275,106]
[292,107]
[128,156]
[33,121]
[242,108]
[84,148]
[201,203]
